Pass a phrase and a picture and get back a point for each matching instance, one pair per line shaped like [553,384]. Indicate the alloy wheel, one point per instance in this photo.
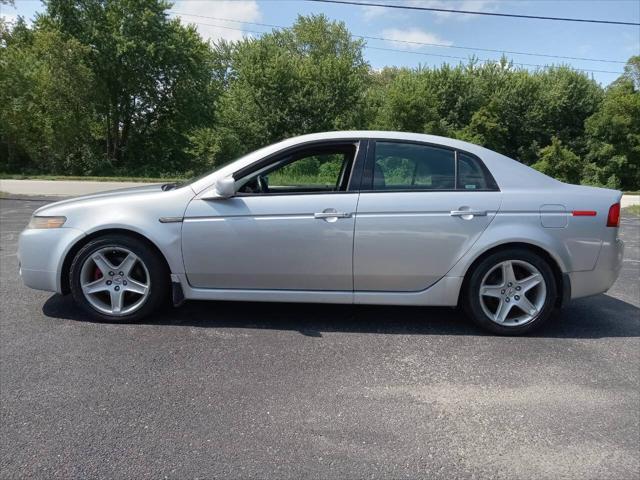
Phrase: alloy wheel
[512,293]
[115,281]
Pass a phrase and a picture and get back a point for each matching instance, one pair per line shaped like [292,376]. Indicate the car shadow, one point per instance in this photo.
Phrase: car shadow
[595,317]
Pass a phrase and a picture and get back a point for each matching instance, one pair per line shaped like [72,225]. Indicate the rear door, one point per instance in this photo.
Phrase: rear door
[420,210]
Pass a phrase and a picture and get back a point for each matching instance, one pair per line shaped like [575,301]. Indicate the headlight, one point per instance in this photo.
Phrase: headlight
[46,222]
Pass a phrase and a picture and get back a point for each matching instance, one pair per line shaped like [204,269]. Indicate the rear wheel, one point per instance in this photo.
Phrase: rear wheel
[511,292]
[118,278]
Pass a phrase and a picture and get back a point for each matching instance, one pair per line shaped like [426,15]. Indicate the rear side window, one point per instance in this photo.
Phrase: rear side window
[415,166]
[471,175]
[406,166]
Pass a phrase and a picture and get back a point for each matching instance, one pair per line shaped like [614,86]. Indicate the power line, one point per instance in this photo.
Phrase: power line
[475,12]
[366,37]
[511,52]
[226,19]
[483,60]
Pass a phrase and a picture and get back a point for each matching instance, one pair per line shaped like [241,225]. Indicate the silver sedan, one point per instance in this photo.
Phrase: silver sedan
[341,217]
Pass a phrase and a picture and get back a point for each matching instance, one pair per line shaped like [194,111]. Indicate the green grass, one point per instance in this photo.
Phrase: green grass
[632,193]
[286,179]
[88,178]
[633,210]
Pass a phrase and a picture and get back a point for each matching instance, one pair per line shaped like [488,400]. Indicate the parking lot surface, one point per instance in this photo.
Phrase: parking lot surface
[239,390]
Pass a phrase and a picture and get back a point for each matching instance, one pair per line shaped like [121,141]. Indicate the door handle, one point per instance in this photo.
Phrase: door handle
[472,213]
[321,215]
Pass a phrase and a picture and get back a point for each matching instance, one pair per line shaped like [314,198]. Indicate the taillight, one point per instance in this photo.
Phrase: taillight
[613,219]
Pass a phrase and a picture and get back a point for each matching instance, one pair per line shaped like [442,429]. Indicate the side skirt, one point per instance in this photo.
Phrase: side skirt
[443,293]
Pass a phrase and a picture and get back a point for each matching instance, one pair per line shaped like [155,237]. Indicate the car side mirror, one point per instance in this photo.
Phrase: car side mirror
[222,188]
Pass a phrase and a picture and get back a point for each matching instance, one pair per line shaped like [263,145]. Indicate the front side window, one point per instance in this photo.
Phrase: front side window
[406,166]
[315,170]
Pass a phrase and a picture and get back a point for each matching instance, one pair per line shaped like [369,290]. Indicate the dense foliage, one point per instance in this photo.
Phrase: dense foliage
[118,88]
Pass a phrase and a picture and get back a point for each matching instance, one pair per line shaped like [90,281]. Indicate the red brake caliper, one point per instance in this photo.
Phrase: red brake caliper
[97,274]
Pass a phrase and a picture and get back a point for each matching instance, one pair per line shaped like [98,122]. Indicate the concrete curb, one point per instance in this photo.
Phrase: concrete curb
[629,200]
[33,198]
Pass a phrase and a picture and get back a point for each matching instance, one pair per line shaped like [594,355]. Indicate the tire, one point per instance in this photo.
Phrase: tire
[513,304]
[118,278]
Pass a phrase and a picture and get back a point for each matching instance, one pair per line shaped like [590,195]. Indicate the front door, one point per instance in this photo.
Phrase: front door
[289,227]
[423,209]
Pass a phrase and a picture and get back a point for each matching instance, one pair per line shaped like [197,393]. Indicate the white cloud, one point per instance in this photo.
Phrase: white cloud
[9,18]
[372,13]
[241,11]
[402,36]
[470,5]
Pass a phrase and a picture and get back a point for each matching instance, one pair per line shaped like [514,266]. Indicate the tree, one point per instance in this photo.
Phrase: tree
[153,83]
[510,95]
[486,128]
[307,78]
[560,163]
[458,92]
[614,134]
[567,98]
[118,87]
[410,105]
[46,113]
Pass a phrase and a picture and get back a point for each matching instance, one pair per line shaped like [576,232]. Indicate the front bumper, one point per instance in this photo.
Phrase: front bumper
[41,253]
[603,276]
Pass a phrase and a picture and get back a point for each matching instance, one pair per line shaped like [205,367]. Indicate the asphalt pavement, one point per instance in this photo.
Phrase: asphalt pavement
[240,390]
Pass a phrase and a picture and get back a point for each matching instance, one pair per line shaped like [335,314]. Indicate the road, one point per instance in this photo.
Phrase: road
[60,188]
[290,391]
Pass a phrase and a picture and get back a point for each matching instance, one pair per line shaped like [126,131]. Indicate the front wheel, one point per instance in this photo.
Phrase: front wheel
[511,292]
[118,278]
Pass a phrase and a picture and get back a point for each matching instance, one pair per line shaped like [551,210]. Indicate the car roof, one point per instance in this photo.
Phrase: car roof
[387,135]
[506,171]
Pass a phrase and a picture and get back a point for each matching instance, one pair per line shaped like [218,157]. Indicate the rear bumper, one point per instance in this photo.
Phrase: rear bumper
[603,276]
[41,253]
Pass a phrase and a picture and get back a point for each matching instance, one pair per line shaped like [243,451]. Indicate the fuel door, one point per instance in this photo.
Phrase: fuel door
[553,216]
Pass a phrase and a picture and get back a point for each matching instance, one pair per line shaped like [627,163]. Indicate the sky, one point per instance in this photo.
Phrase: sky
[452,32]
